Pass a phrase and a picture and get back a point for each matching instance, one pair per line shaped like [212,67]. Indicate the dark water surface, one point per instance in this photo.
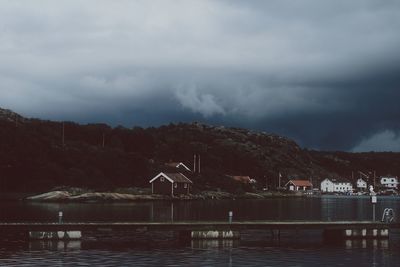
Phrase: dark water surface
[256,248]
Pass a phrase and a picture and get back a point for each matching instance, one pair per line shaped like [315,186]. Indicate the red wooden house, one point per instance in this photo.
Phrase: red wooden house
[170,184]
[299,185]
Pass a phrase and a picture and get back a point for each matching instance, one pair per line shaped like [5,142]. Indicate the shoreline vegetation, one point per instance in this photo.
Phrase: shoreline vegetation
[139,194]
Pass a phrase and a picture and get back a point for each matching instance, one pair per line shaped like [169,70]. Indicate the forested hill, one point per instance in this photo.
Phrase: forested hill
[35,157]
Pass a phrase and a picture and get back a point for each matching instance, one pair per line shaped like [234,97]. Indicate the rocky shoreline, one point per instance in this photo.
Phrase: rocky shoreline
[65,196]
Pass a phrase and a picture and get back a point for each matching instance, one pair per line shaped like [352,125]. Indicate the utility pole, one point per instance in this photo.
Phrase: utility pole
[363,174]
[63,134]
[194,163]
[266,182]
[279,180]
[198,167]
[374,179]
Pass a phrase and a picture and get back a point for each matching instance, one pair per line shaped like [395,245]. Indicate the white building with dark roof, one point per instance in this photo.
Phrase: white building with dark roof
[361,184]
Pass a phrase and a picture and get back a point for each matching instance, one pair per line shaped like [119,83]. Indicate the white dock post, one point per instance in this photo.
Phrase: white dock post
[60,215]
[373,201]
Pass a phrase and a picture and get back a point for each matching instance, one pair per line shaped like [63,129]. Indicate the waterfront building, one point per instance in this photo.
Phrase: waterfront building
[299,185]
[173,184]
[389,182]
[361,184]
[336,185]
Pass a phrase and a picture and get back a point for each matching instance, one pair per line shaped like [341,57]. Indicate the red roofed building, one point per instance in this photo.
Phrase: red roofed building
[299,185]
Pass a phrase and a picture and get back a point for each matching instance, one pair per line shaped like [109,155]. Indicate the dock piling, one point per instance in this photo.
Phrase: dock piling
[60,217]
[230,215]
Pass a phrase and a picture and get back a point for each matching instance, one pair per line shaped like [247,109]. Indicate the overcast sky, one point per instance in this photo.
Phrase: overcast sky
[325,73]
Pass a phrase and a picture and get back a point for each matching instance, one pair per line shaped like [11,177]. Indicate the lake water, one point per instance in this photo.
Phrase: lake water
[256,248]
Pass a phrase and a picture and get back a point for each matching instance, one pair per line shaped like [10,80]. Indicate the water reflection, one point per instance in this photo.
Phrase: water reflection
[324,208]
[162,211]
[217,243]
[364,243]
[354,207]
[289,251]
[54,245]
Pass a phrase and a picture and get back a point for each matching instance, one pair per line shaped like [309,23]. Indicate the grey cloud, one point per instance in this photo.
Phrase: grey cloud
[323,73]
[206,104]
[384,141]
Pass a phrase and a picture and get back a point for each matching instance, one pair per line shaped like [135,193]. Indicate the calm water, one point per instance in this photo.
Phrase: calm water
[256,248]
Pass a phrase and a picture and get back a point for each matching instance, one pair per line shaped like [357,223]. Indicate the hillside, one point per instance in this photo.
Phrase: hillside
[34,157]
[344,163]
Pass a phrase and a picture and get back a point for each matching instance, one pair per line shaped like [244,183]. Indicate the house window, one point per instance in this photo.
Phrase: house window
[185,185]
[162,179]
[175,185]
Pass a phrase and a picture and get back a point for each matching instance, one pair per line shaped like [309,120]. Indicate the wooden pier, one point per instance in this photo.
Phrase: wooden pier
[201,229]
[195,225]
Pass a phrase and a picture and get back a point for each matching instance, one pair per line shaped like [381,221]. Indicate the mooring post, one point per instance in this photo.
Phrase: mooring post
[230,215]
[60,215]
[373,201]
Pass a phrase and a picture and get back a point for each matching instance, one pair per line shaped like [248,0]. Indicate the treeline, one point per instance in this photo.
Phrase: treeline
[33,156]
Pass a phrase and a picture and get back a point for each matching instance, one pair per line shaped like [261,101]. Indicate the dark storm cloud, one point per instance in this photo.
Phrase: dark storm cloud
[322,72]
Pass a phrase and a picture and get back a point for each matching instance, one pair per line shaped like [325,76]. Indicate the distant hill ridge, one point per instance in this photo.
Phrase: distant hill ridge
[35,157]
[6,114]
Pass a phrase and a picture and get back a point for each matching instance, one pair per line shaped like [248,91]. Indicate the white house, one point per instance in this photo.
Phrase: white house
[336,185]
[327,185]
[390,182]
[361,184]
